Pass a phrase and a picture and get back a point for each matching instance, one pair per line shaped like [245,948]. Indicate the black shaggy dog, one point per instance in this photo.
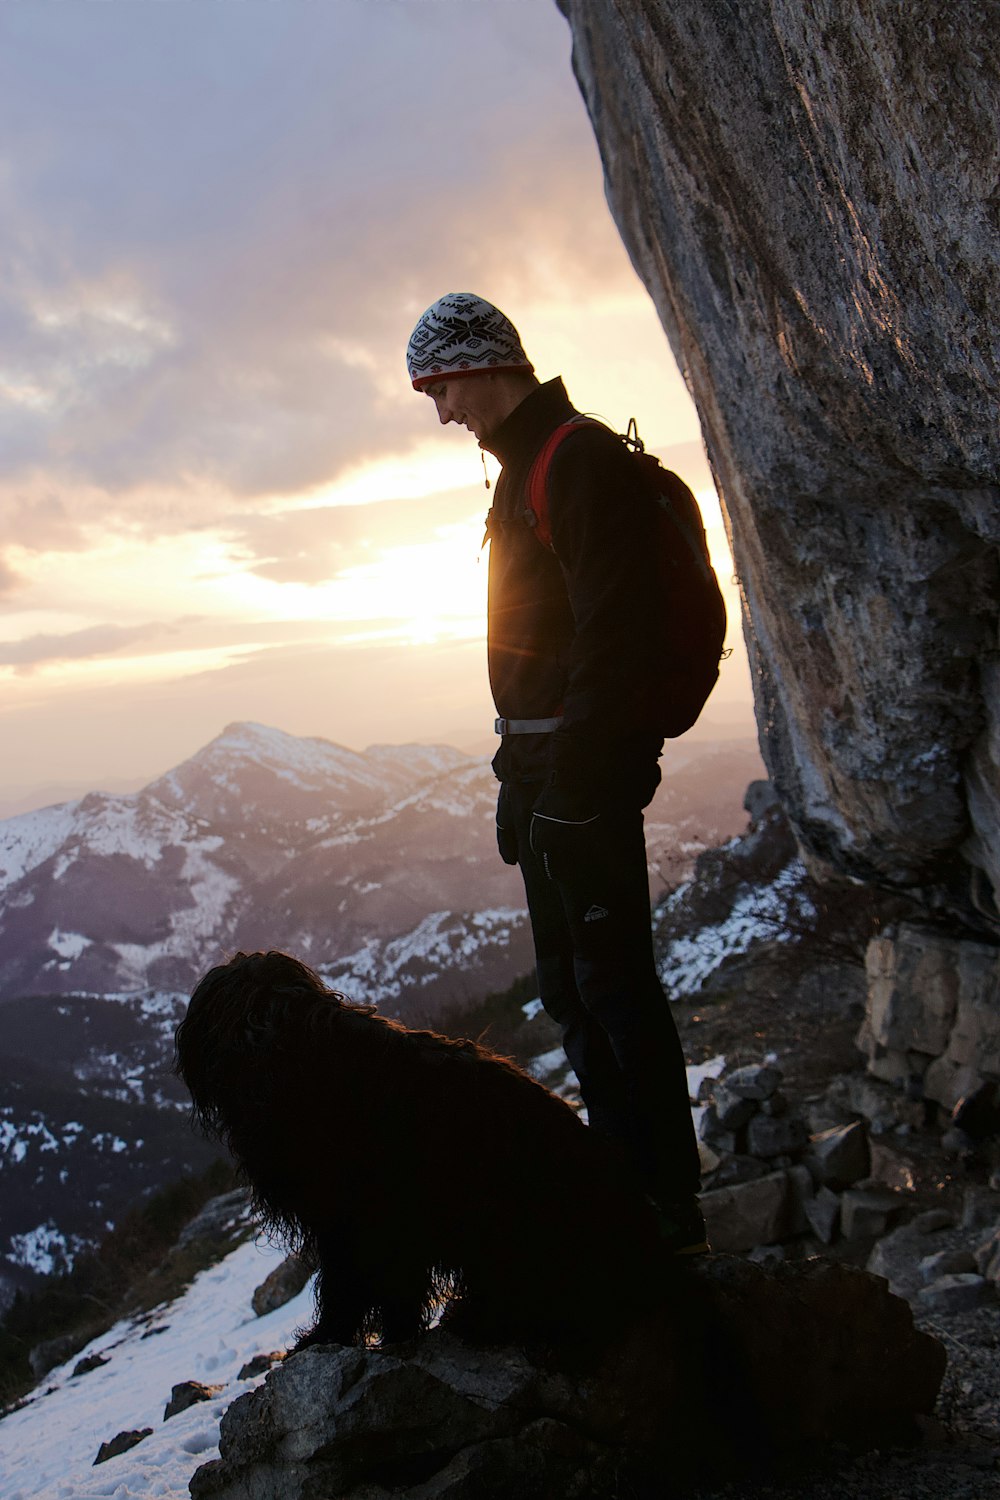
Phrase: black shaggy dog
[414,1168]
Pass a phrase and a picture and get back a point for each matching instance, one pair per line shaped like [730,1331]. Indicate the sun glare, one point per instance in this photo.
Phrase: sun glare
[435,467]
[434,590]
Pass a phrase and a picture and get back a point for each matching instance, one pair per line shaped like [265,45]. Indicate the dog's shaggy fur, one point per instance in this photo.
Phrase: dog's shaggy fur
[413,1167]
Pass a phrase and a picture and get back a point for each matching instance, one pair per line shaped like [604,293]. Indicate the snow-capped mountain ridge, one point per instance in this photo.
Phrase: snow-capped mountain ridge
[240,772]
[245,844]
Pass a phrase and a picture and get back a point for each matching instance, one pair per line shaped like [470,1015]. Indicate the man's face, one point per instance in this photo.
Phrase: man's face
[473,401]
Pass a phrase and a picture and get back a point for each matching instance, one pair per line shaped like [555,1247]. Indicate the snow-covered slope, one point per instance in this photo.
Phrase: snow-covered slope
[47,1449]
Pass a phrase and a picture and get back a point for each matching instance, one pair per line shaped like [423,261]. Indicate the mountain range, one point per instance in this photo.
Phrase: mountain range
[379,864]
[379,868]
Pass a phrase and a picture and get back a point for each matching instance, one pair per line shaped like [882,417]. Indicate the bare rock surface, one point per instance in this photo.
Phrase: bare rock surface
[284,1283]
[739,1367]
[931,1016]
[188,1393]
[121,1443]
[808,192]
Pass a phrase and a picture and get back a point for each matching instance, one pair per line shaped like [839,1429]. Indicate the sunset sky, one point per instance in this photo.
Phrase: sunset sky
[220,498]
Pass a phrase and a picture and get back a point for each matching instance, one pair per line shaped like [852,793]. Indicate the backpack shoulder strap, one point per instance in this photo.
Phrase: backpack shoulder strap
[537,512]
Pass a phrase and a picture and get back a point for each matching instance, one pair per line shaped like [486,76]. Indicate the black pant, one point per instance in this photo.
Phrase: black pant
[597,979]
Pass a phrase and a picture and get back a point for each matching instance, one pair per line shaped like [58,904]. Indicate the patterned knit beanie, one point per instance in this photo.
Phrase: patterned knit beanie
[461,334]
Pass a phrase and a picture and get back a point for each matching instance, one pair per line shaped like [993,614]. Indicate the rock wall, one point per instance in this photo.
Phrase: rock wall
[932,1020]
[808,190]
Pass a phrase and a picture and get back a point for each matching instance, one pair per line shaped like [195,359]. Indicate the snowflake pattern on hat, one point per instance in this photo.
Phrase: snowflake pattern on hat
[459,334]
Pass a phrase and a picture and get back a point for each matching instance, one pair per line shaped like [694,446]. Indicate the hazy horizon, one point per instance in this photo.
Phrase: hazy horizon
[714,730]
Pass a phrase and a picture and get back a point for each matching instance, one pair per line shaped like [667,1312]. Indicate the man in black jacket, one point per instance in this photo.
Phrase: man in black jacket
[577,660]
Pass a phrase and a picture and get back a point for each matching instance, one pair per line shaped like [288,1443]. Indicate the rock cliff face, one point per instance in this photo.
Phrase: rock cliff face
[808,190]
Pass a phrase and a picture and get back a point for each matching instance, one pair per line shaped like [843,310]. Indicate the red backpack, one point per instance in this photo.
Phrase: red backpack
[693,604]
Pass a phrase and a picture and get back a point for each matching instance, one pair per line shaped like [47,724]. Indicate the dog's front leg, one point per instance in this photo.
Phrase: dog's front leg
[345,1298]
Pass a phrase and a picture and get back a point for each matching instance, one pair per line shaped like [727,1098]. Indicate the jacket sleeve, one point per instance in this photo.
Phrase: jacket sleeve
[605,536]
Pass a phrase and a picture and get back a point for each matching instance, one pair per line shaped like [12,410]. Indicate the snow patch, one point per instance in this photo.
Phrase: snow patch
[48,1447]
[381,971]
[547,1063]
[761,914]
[68,944]
[28,840]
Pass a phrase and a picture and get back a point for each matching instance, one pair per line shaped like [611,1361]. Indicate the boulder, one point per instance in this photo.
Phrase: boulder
[822,1212]
[188,1393]
[769,1136]
[755,1081]
[121,1443]
[760,799]
[891,1167]
[897,1255]
[738,1366]
[221,1219]
[956,1294]
[869,1211]
[260,1364]
[840,1156]
[720,1141]
[737,1168]
[748,1214]
[285,1282]
[731,1110]
[912,992]
[946,1263]
[776,1105]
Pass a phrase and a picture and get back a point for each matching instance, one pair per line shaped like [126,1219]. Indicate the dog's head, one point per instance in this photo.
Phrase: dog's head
[249,1031]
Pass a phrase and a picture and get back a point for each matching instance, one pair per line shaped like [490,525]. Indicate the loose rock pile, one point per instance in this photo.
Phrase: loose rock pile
[783,1181]
[771,1178]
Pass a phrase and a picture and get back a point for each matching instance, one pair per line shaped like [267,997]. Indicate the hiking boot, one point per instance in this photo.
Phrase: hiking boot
[682,1227]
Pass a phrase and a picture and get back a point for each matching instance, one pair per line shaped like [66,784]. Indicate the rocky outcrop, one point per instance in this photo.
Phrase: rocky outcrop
[188,1393]
[742,1365]
[121,1443]
[808,191]
[223,1220]
[932,1019]
[285,1282]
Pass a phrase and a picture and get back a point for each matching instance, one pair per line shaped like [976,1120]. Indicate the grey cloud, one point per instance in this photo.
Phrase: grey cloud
[187,633]
[42,523]
[97,640]
[261,187]
[313,546]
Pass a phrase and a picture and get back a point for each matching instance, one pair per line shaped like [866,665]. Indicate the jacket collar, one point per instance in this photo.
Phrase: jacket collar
[521,434]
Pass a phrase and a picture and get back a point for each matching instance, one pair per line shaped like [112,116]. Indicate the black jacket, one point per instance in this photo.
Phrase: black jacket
[578,630]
